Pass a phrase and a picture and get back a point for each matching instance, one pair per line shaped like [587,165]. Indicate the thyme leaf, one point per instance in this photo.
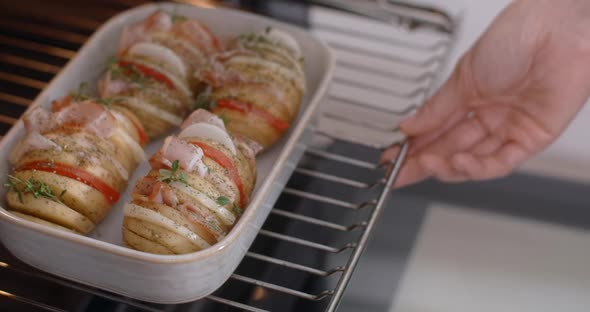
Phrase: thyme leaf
[32,186]
[172,175]
[222,200]
[128,71]
[205,102]
[83,94]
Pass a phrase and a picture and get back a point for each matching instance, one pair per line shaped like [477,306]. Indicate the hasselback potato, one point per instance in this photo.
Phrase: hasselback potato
[152,72]
[73,162]
[199,184]
[256,86]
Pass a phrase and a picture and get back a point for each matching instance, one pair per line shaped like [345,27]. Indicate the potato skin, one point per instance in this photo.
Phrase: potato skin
[160,235]
[139,243]
[177,217]
[41,221]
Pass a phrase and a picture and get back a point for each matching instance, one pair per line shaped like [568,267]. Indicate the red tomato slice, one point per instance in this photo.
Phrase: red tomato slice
[247,108]
[226,163]
[149,72]
[143,138]
[74,173]
[214,40]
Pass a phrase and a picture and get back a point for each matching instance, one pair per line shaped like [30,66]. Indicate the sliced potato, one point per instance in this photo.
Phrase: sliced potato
[279,55]
[177,217]
[154,126]
[129,123]
[261,95]
[78,196]
[219,177]
[160,235]
[191,56]
[50,211]
[245,171]
[250,126]
[81,141]
[263,75]
[40,221]
[130,151]
[81,155]
[214,218]
[139,243]
[197,182]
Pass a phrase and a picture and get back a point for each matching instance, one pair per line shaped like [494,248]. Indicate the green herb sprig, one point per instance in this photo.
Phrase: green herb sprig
[252,37]
[83,94]
[205,102]
[222,200]
[172,175]
[131,72]
[32,186]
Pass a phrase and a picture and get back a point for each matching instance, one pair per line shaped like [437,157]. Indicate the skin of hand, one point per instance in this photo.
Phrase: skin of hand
[510,96]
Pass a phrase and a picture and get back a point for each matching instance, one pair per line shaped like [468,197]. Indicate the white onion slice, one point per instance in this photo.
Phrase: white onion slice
[180,41]
[181,86]
[161,54]
[208,131]
[148,215]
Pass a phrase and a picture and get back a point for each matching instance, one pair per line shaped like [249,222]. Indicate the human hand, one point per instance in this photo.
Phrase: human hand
[510,96]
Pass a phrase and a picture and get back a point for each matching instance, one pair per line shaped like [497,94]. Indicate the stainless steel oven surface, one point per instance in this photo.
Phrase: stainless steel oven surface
[337,239]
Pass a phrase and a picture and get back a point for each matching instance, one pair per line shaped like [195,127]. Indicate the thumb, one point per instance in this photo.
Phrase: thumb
[448,99]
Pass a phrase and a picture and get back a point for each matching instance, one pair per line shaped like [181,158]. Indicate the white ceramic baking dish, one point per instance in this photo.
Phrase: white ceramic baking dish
[101,260]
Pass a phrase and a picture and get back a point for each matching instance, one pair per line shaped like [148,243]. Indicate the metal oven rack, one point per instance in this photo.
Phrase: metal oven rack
[305,256]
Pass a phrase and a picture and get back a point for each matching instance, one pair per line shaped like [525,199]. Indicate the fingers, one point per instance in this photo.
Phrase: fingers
[412,172]
[421,142]
[497,164]
[441,169]
[487,146]
[452,96]
[462,137]
[464,166]
[419,168]
[389,155]
[431,160]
